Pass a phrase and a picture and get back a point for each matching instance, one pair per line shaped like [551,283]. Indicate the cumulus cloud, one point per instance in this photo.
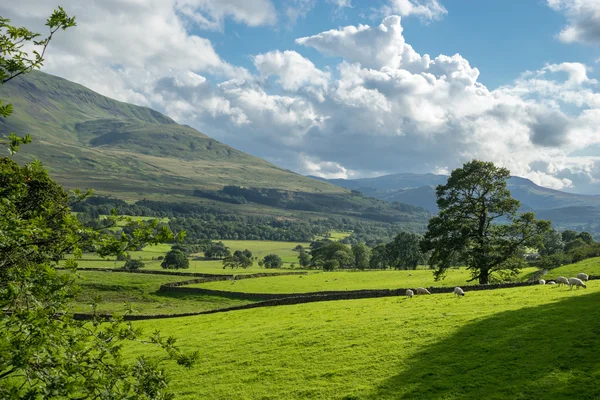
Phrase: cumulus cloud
[583,18]
[294,71]
[372,47]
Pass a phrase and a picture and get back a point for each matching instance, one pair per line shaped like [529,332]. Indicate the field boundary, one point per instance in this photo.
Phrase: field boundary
[302,298]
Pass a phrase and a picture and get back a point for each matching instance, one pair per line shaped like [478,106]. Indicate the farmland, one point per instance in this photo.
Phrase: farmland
[489,344]
[325,281]
[113,289]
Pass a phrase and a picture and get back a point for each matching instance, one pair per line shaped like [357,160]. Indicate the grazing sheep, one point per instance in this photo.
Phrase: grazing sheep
[458,291]
[561,280]
[550,283]
[576,282]
[582,276]
[422,290]
[409,293]
[542,282]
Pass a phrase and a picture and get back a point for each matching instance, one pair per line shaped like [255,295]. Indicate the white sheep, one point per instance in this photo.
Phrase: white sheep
[542,282]
[550,283]
[422,290]
[576,282]
[409,293]
[582,276]
[458,291]
[561,280]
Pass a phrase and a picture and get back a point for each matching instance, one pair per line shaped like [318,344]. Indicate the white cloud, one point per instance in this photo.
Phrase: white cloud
[294,71]
[583,18]
[429,10]
[372,47]
[210,14]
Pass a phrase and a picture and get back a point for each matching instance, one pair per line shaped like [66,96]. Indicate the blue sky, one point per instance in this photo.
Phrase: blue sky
[502,38]
[354,88]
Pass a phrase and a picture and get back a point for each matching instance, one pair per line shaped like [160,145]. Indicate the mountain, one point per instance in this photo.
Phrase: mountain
[87,140]
[566,210]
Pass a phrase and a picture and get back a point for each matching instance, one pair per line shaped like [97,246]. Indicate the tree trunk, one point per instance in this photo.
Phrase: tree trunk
[484,277]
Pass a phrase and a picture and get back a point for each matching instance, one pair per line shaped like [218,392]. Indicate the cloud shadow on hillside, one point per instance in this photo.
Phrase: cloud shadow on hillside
[544,352]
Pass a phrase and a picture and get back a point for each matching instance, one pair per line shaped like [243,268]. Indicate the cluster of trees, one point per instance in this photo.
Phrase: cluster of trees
[565,247]
[239,259]
[403,252]
[208,223]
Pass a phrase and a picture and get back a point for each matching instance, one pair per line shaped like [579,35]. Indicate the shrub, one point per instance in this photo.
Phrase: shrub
[133,265]
[175,259]
[272,261]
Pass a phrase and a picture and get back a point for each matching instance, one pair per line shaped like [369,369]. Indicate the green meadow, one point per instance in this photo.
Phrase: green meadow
[317,281]
[113,289]
[537,342]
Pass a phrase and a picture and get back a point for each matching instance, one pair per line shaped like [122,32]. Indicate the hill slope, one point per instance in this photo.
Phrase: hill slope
[89,140]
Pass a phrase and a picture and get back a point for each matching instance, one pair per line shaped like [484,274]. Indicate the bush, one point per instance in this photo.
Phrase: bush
[272,261]
[175,259]
[133,265]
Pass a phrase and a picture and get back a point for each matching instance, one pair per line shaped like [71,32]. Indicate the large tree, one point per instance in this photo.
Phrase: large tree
[478,223]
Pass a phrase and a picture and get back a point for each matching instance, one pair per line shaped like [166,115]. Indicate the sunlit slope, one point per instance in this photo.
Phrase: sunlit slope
[89,140]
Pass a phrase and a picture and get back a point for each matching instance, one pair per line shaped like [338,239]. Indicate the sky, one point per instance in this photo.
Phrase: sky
[354,88]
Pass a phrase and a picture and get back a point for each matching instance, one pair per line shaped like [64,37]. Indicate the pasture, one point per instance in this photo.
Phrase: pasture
[538,342]
[140,291]
[317,281]
[591,266]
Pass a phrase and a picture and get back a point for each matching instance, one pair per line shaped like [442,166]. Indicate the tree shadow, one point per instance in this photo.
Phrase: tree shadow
[545,352]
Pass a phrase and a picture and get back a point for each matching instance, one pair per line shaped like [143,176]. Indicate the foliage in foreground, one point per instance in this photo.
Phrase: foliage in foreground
[44,352]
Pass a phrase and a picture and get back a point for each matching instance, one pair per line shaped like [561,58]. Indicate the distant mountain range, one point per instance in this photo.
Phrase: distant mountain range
[566,210]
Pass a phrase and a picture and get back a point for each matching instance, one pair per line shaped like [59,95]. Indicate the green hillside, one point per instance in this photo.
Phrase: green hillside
[89,140]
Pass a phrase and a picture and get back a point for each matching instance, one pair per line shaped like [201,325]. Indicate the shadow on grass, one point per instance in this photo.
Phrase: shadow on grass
[546,352]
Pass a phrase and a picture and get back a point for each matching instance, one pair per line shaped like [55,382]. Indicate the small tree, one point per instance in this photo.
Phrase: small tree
[332,251]
[379,257]
[175,259]
[472,205]
[552,243]
[299,248]
[133,265]
[217,250]
[304,259]
[362,255]
[404,252]
[272,261]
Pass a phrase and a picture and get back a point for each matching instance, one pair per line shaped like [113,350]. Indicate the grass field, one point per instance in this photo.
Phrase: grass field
[318,281]
[591,266]
[539,342]
[141,292]
[259,249]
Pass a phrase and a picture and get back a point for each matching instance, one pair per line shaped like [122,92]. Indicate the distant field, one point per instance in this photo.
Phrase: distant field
[538,342]
[140,291]
[336,235]
[318,281]
[259,248]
